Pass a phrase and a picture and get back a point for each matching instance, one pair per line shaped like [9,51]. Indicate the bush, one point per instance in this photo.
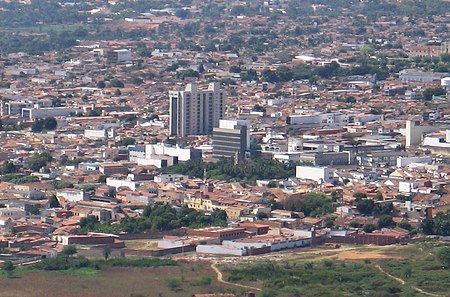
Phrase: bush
[173,283]
[202,281]
[63,263]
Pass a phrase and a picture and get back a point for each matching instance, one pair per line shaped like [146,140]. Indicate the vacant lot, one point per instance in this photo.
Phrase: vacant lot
[391,271]
[395,271]
[181,280]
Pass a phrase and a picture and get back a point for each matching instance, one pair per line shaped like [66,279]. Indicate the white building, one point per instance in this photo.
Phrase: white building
[405,161]
[318,118]
[196,111]
[119,56]
[39,113]
[220,250]
[118,183]
[319,174]
[183,154]
[408,186]
[73,195]
[99,133]
[414,132]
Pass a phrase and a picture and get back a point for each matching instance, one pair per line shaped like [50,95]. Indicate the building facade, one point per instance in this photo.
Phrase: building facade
[231,139]
[196,111]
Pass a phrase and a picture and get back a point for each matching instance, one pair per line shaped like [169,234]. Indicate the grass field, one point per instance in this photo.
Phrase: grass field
[389,271]
[168,281]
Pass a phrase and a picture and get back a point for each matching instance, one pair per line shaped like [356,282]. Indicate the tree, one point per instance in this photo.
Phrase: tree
[88,222]
[102,179]
[262,215]
[329,222]
[191,73]
[101,84]
[365,206]
[53,202]
[404,225]
[443,254]
[117,83]
[38,125]
[50,123]
[430,92]
[37,161]
[69,250]
[8,267]
[311,204]
[106,251]
[117,92]
[354,224]
[427,226]
[360,195]
[219,217]
[235,69]
[272,184]
[8,167]
[385,221]
[439,225]
[369,228]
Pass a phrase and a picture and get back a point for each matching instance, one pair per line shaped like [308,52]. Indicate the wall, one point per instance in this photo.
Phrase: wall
[220,250]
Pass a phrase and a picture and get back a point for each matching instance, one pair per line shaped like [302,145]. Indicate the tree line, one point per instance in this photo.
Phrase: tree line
[160,217]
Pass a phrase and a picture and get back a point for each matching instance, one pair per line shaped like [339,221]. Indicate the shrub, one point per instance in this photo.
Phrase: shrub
[173,283]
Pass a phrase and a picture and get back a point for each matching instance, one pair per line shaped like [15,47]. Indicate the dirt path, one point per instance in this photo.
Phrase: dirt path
[402,282]
[220,279]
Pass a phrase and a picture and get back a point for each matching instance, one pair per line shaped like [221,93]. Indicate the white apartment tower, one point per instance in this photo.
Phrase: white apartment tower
[196,111]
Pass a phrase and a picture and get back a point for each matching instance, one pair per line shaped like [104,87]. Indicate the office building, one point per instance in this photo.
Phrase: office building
[196,111]
[231,138]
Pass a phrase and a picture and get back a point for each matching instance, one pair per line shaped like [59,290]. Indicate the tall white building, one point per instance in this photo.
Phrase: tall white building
[196,111]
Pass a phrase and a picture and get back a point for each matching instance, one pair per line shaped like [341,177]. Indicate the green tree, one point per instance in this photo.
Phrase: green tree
[37,161]
[369,228]
[8,267]
[50,123]
[365,206]
[69,250]
[8,168]
[385,221]
[53,202]
[106,251]
[38,126]
[101,84]
[360,195]
[427,226]
[430,92]
[117,83]
[404,225]
[443,254]
[311,204]
[329,222]
[354,224]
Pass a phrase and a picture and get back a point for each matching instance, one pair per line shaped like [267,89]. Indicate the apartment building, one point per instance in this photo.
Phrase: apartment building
[196,111]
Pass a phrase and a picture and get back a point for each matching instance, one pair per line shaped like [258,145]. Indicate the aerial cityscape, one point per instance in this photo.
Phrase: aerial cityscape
[225,148]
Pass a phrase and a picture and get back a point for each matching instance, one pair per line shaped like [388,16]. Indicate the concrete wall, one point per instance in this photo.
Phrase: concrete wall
[220,250]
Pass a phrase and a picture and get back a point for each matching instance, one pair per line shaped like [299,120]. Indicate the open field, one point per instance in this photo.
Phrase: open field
[184,280]
[397,271]
[391,271]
